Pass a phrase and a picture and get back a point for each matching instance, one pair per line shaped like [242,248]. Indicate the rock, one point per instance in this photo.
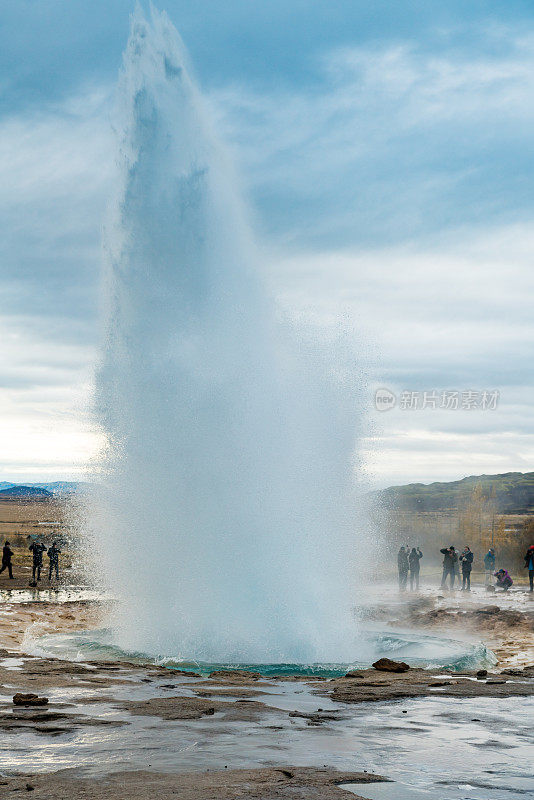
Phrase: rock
[488,610]
[482,673]
[316,718]
[490,588]
[353,673]
[511,618]
[235,673]
[189,708]
[29,700]
[387,665]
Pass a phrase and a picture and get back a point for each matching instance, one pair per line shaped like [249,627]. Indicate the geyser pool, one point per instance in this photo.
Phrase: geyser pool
[418,649]
[225,518]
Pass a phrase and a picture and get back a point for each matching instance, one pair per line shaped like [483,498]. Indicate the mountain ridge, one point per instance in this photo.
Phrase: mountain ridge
[511,492]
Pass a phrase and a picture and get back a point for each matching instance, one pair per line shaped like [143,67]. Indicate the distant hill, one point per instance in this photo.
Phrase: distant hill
[55,487]
[25,493]
[514,493]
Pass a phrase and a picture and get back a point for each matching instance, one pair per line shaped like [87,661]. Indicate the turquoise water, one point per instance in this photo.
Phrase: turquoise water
[418,650]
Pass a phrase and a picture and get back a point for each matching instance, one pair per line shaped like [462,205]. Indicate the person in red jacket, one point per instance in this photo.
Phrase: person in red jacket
[529,564]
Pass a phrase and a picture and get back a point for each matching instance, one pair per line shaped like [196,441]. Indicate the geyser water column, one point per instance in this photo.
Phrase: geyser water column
[223,522]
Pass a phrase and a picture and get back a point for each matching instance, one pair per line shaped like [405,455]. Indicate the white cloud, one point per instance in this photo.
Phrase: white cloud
[444,315]
[397,191]
[45,426]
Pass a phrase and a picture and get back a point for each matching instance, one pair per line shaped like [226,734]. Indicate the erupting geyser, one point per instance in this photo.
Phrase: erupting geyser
[225,520]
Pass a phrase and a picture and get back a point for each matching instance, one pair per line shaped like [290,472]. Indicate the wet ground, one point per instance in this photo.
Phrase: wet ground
[123,719]
[431,747]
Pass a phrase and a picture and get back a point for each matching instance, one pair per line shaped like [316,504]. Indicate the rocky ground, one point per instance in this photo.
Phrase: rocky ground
[297,783]
[504,622]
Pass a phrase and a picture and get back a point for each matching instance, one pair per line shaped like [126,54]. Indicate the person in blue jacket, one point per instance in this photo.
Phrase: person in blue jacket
[529,564]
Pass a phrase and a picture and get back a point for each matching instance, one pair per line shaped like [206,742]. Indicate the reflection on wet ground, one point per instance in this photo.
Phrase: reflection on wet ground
[476,748]
[67,594]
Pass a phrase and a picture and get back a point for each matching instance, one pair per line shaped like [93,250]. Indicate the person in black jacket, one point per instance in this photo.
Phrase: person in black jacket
[53,555]
[403,565]
[37,549]
[466,560]
[7,555]
[449,561]
[413,559]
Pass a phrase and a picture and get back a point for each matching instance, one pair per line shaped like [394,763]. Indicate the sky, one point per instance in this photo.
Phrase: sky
[387,155]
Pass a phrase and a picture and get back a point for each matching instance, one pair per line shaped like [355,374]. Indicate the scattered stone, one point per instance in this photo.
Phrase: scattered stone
[20,699]
[482,673]
[387,665]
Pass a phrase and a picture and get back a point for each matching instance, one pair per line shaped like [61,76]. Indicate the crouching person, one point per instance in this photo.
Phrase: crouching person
[504,581]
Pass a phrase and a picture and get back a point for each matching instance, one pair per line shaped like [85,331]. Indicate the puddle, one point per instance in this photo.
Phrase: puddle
[388,791]
[12,663]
